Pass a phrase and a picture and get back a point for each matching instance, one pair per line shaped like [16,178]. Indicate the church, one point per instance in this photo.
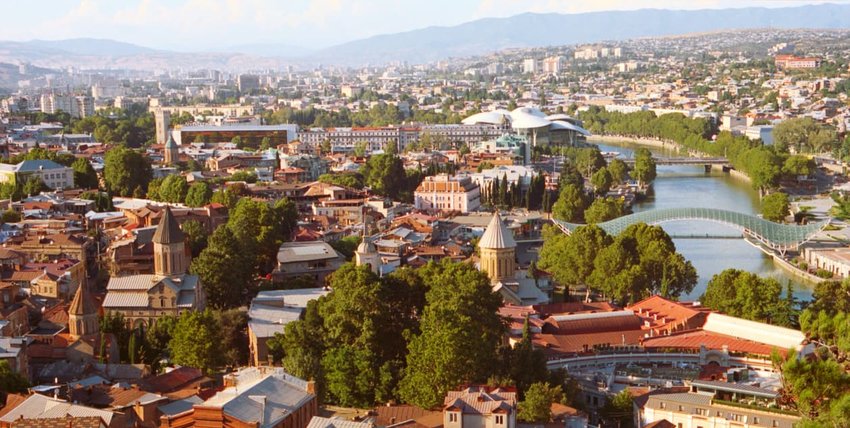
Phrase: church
[497,257]
[170,290]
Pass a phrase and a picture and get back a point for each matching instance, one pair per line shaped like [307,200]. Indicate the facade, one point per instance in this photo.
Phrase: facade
[691,410]
[446,193]
[377,138]
[247,83]
[77,106]
[162,118]
[253,397]
[269,314]
[231,110]
[795,62]
[142,299]
[835,261]
[314,259]
[250,134]
[480,407]
[54,175]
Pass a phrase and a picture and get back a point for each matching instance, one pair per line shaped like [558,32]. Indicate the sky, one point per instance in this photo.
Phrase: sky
[202,25]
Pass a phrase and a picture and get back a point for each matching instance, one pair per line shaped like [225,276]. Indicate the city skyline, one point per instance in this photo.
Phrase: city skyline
[195,25]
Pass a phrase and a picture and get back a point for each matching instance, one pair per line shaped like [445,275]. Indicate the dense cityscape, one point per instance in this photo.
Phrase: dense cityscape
[637,232]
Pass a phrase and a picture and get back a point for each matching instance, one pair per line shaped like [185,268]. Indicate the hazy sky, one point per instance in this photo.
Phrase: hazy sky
[206,24]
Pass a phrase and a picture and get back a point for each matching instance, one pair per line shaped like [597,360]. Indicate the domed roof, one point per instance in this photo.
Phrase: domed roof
[528,118]
[495,117]
[497,235]
[560,124]
[366,247]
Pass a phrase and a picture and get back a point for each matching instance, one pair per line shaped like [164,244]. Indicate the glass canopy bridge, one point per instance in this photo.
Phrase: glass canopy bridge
[774,236]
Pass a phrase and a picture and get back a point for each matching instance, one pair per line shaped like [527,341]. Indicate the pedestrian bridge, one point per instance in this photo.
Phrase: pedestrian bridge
[775,236]
[684,161]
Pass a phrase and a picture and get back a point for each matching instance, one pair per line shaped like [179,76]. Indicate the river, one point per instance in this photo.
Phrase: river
[690,186]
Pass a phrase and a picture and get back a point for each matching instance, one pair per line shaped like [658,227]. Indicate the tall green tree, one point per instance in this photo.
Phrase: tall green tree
[604,209]
[196,236]
[125,170]
[85,176]
[570,204]
[12,381]
[197,341]
[775,207]
[537,405]
[198,195]
[644,169]
[173,189]
[602,181]
[460,334]
[225,270]
[34,186]
[746,295]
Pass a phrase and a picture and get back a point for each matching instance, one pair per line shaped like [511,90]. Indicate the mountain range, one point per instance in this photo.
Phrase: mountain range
[433,43]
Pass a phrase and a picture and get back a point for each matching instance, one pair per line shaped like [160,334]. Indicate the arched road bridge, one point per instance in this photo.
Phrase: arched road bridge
[775,236]
[684,161]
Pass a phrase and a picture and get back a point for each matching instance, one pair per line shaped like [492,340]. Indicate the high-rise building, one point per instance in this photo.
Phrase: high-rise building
[76,106]
[552,65]
[530,65]
[247,83]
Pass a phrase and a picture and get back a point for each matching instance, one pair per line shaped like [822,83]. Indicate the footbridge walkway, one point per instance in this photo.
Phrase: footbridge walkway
[773,236]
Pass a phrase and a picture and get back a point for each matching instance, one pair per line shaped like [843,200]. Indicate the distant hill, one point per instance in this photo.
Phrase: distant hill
[550,29]
[87,46]
[433,43]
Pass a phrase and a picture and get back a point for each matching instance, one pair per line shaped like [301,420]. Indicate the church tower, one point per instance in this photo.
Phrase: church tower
[367,254]
[171,151]
[169,250]
[497,251]
[82,315]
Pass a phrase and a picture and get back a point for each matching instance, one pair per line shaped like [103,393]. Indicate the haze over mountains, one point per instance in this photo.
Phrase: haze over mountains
[429,44]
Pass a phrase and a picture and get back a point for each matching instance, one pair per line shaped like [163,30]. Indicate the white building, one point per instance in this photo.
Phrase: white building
[54,175]
[530,66]
[480,407]
[446,193]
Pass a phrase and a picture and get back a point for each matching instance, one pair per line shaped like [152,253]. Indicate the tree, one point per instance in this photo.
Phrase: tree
[619,171]
[10,216]
[34,186]
[382,173]
[665,271]
[11,381]
[604,209]
[234,336]
[196,236]
[537,405]
[225,270]
[527,365]
[226,197]
[798,165]
[570,204]
[460,333]
[173,189]
[198,195]
[619,410]
[265,143]
[197,341]
[571,258]
[237,140]
[85,176]
[803,134]
[602,181]
[775,207]
[644,169]
[125,170]
[745,295]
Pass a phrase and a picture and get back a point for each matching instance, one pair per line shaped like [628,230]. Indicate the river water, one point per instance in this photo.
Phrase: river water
[690,186]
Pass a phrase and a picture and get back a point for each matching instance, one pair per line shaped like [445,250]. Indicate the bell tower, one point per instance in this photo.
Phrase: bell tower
[82,314]
[497,251]
[169,249]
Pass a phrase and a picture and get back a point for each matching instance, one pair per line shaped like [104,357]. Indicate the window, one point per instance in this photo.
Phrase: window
[775,423]
[452,417]
[755,420]
[500,419]
[661,405]
[702,412]
[681,408]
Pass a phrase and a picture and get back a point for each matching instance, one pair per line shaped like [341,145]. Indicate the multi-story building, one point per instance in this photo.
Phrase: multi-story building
[77,106]
[249,134]
[256,396]
[377,138]
[530,66]
[54,175]
[552,64]
[315,259]
[269,313]
[794,62]
[692,410]
[247,83]
[446,193]
[480,407]
[229,110]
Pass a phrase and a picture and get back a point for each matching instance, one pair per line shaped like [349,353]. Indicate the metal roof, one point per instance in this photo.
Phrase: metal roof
[497,235]
[126,300]
[735,387]
[775,235]
[38,406]
[320,422]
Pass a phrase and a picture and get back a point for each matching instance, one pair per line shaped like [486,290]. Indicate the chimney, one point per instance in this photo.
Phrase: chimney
[311,386]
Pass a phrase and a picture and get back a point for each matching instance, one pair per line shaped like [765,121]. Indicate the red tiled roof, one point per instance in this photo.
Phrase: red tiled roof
[574,307]
[593,325]
[172,380]
[694,339]
[555,344]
